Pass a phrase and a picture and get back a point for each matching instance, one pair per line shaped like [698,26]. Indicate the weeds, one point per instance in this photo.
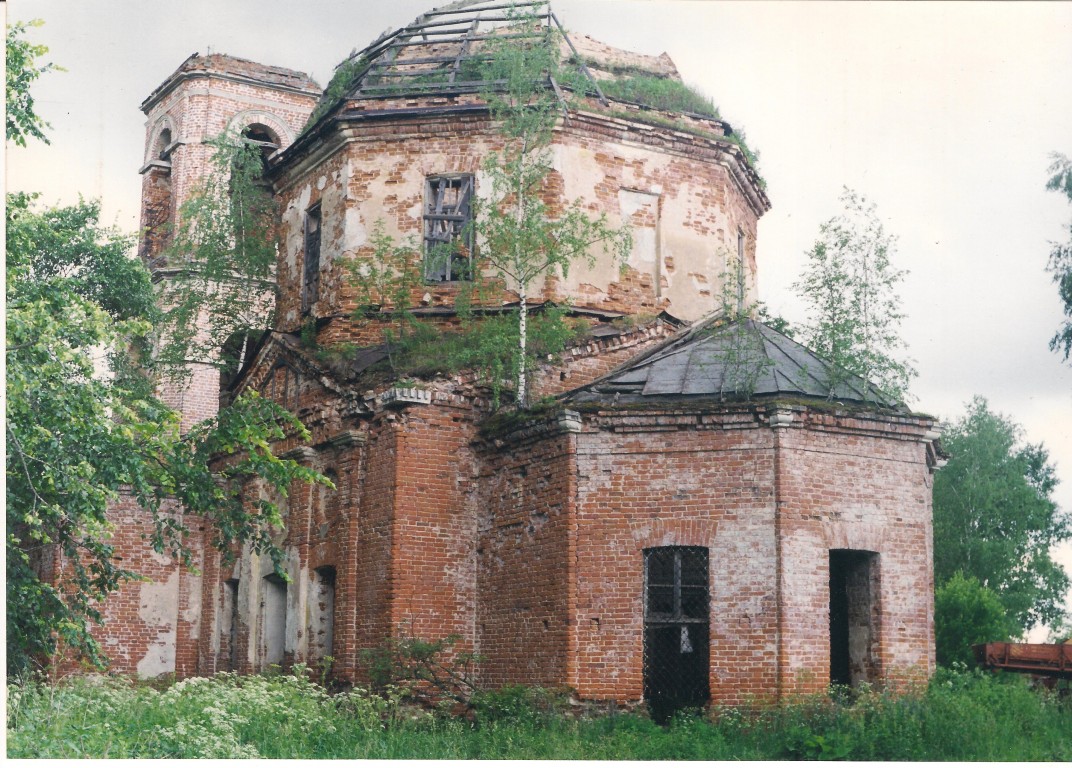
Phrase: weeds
[962,715]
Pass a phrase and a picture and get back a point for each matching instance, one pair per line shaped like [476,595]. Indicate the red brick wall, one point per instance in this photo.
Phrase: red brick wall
[568,517]
[524,562]
[433,531]
[862,484]
[652,480]
[143,620]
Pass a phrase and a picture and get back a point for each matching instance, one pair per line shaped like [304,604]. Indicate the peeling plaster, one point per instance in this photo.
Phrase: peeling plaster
[157,606]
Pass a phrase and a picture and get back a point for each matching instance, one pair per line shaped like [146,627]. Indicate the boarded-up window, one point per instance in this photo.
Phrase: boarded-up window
[310,292]
[448,228]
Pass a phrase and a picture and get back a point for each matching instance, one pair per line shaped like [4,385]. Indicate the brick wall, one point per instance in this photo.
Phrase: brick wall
[664,479]
[142,621]
[525,564]
[855,483]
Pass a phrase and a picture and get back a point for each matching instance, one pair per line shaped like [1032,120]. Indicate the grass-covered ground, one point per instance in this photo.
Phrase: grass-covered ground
[960,716]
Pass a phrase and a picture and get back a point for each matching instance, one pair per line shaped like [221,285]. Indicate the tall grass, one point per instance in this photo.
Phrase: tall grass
[961,716]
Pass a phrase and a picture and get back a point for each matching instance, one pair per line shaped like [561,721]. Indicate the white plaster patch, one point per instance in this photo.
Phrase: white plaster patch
[157,605]
[158,602]
[355,234]
[160,658]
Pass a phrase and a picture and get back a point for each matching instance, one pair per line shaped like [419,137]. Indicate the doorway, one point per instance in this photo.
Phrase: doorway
[853,612]
[676,630]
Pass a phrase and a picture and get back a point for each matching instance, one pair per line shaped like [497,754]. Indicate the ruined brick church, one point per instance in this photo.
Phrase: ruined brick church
[656,534]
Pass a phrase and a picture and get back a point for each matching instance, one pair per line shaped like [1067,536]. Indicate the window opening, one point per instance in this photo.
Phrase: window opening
[448,228]
[322,615]
[234,354]
[273,619]
[262,138]
[310,293]
[853,607]
[676,629]
[164,144]
[229,624]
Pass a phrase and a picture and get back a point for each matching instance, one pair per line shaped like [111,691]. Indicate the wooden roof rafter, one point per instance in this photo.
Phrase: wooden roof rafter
[431,54]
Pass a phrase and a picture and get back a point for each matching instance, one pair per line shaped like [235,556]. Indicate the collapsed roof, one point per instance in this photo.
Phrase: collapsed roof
[442,52]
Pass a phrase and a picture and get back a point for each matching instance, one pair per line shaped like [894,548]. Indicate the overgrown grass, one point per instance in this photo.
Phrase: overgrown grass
[660,93]
[961,716]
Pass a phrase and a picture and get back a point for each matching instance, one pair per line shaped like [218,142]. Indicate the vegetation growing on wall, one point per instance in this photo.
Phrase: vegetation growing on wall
[659,92]
[340,82]
[522,240]
[222,261]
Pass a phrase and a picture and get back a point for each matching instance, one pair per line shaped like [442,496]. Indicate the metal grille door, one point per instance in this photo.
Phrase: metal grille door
[676,629]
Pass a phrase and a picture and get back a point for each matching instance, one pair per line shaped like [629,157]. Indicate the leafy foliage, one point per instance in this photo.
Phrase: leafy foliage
[22,70]
[85,431]
[80,440]
[385,280]
[967,613]
[223,260]
[854,311]
[429,672]
[1060,264]
[995,520]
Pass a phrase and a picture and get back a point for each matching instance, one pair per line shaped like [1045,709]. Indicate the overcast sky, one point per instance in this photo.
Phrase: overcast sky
[942,114]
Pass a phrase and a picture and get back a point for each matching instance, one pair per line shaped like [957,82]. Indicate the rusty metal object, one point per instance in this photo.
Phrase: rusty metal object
[1043,659]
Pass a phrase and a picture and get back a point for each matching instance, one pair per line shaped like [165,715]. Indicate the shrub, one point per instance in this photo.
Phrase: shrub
[966,613]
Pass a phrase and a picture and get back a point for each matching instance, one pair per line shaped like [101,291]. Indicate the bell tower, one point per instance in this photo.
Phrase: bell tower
[204,98]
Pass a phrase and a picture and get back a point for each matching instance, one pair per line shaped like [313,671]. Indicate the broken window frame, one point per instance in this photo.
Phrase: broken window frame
[448,228]
[310,287]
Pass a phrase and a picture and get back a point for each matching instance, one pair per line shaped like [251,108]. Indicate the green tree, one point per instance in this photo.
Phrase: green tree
[22,70]
[520,238]
[84,428]
[1060,264]
[855,313]
[967,613]
[995,520]
[222,260]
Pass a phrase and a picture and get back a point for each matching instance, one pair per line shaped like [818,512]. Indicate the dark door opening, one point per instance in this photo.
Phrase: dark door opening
[853,596]
[676,630]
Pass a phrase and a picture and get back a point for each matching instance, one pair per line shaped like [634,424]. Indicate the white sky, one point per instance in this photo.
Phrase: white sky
[943,114]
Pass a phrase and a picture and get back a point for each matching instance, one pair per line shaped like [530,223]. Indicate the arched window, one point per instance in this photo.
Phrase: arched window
[162,148]
[263,138]
[157,210]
